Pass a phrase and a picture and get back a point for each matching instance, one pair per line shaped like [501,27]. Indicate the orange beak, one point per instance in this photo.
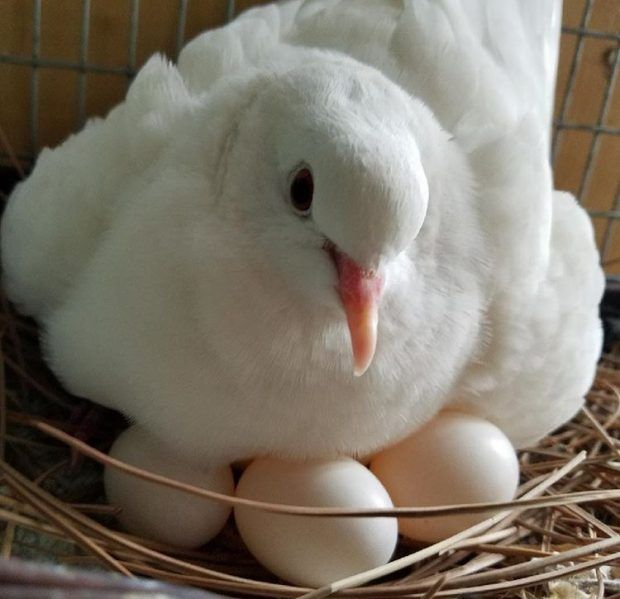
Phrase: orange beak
[360,292]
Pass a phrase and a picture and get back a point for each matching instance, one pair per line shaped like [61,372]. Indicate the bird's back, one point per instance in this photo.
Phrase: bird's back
[479,65]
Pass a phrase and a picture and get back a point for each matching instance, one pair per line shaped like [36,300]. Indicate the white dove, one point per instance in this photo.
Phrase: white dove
[331,220]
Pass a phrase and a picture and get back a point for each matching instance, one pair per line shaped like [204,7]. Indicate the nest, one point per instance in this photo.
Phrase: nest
[558,539]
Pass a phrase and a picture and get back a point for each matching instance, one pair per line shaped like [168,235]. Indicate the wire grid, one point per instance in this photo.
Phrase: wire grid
[83,67]
[598,128]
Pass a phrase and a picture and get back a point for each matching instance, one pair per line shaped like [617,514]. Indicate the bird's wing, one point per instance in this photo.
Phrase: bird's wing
[55,219]
[522,38]
[543,363]
[480,65]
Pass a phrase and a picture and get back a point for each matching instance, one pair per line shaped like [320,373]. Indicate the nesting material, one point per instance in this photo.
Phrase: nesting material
[564,526]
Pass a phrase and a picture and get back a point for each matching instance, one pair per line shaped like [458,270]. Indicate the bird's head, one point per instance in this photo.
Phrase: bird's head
[327,177]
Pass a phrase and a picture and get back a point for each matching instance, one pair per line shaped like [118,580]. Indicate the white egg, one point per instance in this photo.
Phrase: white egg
[455,458]
[315,551]
[161,513]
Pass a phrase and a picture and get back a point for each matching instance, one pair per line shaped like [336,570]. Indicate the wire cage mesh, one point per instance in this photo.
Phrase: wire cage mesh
[586,146]
[82,55]
[62,62]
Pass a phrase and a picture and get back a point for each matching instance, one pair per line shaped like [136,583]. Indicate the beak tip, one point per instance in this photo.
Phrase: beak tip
[364,341]
[360,369]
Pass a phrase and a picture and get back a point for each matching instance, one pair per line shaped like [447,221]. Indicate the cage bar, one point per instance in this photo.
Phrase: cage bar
[230,10]
[84,35]
[34,78]
[583,32]
[585,19]
[133,37]
[594,148]
[181,22]
[51,63]
[602,116]
[592,128]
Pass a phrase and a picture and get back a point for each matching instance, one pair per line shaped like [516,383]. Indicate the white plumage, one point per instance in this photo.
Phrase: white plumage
[175,283]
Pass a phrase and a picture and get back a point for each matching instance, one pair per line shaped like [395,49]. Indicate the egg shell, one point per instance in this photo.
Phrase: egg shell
[311,551]
[158,512]
[455,458]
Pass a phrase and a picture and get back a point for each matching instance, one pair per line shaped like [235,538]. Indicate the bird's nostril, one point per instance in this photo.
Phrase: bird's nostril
[339,258]
[329,246]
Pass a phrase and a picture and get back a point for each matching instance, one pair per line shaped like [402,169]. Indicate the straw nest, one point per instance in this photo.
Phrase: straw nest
[560,538]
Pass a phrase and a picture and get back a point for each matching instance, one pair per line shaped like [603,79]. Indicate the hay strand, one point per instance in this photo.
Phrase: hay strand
[564,525]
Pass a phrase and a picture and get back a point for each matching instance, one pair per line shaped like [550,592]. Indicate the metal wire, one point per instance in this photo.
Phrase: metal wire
[84,37]
[34,77]
[602,116]
[583,32]
[595,146]
[133,36]
[230,10]
[598,128]
[585,18]
[47,63]
[181,21]
[592,128]
[83,68]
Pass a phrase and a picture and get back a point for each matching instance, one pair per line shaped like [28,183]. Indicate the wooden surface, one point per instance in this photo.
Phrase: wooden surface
[109,46]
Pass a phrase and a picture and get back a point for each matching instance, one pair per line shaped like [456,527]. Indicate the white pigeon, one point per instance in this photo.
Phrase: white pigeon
[329,221]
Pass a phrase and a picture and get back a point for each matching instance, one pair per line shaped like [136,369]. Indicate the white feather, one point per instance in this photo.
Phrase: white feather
[175,284]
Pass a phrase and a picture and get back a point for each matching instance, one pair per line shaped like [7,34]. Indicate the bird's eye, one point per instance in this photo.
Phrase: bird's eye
[302,190]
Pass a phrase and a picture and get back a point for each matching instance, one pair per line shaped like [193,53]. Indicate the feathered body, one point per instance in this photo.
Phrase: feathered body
[174,284]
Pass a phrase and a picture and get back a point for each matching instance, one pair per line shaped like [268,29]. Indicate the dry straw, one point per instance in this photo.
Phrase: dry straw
[564,525]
